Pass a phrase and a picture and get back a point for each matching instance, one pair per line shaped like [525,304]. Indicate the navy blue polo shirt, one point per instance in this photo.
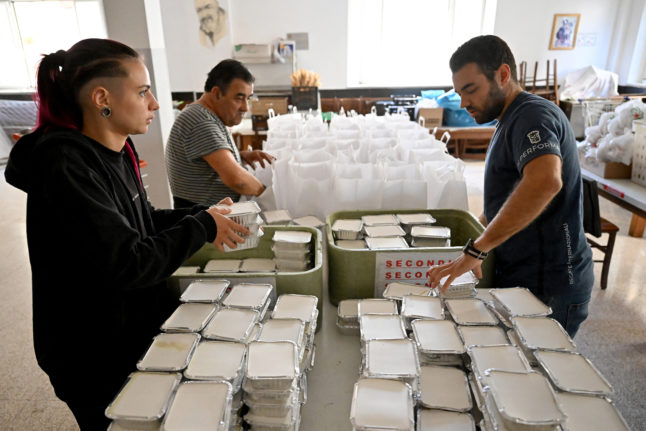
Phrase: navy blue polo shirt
[552,252]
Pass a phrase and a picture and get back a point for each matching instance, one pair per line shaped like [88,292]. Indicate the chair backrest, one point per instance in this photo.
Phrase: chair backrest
[591,213]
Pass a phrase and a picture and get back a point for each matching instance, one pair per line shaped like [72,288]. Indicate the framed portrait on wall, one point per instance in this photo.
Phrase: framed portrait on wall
[564,30]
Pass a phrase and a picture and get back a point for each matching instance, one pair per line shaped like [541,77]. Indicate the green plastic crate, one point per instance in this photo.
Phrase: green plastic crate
[352,272]
[308,282]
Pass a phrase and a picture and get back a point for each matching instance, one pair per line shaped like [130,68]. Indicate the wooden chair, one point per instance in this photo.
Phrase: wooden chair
[547,87]
[596,225]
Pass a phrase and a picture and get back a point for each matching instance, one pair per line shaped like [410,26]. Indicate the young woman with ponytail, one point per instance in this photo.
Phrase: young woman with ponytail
[100,253]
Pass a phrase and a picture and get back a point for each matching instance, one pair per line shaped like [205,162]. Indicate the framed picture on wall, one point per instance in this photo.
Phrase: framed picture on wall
[564,30]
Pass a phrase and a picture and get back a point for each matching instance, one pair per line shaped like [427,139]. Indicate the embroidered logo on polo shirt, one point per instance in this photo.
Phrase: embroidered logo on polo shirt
[534,137]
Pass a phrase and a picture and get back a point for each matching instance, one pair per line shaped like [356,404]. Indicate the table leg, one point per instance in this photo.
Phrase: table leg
[637,225]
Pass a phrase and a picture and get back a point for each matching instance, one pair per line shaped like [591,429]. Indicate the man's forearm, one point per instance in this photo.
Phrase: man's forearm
[246,185]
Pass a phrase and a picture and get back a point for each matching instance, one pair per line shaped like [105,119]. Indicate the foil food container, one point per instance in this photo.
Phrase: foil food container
[189,317]
[210,291]
[519,301]
[444,388]
[347,229]
[398,290]
[200,406]
[586,413]
[379,220]
[470,312]
[169,352]
[382,404]
[573,372]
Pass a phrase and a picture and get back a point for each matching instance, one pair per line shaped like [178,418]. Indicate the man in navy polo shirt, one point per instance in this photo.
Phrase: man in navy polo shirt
[533,210]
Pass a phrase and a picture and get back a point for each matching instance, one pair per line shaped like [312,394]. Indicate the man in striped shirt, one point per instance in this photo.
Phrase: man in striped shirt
[204,165]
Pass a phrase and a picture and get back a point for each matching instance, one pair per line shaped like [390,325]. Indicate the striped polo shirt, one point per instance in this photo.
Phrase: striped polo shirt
[197,132]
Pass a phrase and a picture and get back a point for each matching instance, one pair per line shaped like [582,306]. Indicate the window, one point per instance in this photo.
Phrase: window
[409,42]
[29,29]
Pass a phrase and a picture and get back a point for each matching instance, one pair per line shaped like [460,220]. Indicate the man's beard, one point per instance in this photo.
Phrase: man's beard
[494,105]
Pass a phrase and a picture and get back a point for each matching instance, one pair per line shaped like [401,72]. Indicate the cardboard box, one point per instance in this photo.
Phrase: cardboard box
[432,117]
[610,170]
[262,105]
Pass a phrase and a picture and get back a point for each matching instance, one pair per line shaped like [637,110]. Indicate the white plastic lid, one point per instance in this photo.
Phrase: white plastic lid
[470,311]
[440,420]
[214,360]
[296,306]
[352,225]
[292,236]
[585,413]
[223,265]
[430,232]
[144,397]
[277,216]
[386,243]
[189,317]
[309,221]
[199,406]
[376,306]
[520,301]
[397,290]
[525,398]
[482,336]
[427,307]
[382,231]
[231,324]
[352,244]
[380,219]
[381,404]
[391,358]
[437,336]
[240,208]
[444,388]
[253,296]
[205,291]
[417,218]
[381,327]
[268,360]
[572,372]
[169,352]
[542,333]
[507,358]
[258,265]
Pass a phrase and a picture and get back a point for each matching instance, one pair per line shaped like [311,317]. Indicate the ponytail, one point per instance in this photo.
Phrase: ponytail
[56,105]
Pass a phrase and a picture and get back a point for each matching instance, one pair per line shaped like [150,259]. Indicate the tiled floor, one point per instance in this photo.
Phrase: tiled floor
[614,336]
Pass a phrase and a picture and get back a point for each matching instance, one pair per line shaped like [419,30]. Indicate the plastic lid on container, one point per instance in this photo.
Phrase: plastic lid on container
[253,296]
[382,404]
[186,270]
[379,219]
[381,327]
[169,352]
[292,236]
[296,306]
[382,231]
[470,311]
[397,290]
[214,360]
[391,359]
[231,324]
[241,208]
[257,265]
[524,398]
[223,265]
[440,420]
[352,225]
[482,336]
[309,221]
[437,336]
[348,309]
[441,232]
[542,333]
[572,372]
[417,218]
[272,360]
[424,307]
[586,413]
[506,358]
[444,388]
[376,306]
[352,244]
[277,216]
[384,243]
[205,291]
[144,397]
[283,330]
[189,317]
[520,301]
[199,406]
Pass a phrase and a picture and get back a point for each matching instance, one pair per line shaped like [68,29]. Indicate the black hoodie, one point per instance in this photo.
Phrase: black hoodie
[100,255]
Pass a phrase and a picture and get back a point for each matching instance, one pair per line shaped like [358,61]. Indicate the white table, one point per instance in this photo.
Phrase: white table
[626,194]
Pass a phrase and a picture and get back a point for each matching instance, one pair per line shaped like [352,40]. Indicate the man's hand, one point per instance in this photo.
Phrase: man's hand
[251,157]
[228,231]
[453,270]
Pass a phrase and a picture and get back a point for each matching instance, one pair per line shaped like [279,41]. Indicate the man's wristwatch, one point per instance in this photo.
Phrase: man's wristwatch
[474,252]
